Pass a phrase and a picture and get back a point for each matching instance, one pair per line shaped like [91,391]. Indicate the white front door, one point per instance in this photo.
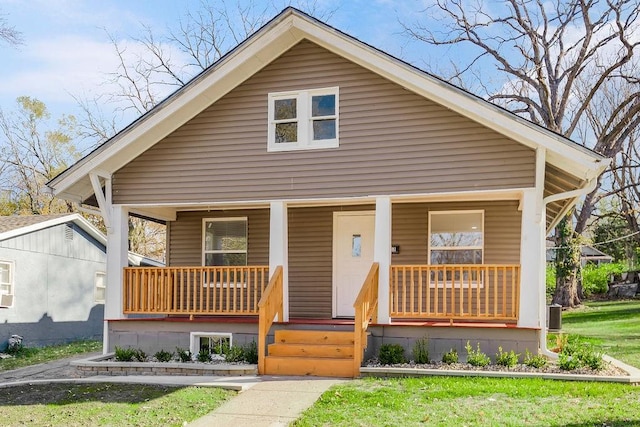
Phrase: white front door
[353,234]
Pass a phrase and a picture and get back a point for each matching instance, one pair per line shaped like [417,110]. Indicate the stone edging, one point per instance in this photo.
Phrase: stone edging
[101,365]
[632,378]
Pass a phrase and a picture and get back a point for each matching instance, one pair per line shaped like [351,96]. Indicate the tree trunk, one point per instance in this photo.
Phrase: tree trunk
[568,291]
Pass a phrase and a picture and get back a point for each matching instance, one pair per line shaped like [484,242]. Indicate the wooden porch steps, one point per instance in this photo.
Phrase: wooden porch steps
[311,352]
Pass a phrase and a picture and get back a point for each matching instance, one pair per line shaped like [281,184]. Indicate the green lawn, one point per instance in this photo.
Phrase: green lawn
[453,401]
[32,355]
[613,326]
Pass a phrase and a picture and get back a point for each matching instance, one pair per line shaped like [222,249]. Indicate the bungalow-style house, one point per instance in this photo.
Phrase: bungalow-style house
[323,197]
[52,278]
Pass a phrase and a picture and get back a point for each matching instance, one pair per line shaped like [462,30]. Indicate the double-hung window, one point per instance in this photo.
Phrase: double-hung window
[6,283]
[456,237]
[100,289]
[225,242]
[225,245]
[303,120]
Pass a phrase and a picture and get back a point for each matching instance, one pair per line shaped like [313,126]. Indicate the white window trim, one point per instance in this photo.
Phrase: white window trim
[194,339]
[303,119]
[448,284]
[95,288]
[205,252]
[12,269]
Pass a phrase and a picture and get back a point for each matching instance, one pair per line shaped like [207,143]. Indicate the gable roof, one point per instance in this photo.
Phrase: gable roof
[268,43]
[18,225]
[13,226]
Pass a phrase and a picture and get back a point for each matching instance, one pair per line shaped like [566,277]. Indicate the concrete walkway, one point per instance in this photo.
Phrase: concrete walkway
[264,401]
[273,401]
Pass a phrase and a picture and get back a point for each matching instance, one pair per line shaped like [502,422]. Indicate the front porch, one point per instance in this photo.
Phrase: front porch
[417,293]
[284,265]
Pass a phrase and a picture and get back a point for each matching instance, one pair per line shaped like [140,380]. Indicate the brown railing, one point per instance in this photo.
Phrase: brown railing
[271,304]
[366,306]
[194,290]
[455,292]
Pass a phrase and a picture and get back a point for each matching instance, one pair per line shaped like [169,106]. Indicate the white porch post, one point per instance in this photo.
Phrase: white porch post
[117,259]
[279,249]
[533,251]
[382,255]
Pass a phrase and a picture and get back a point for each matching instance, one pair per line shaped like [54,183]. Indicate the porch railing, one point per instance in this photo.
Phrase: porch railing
[366,307]
[194,290]
[455,292]
[271,304]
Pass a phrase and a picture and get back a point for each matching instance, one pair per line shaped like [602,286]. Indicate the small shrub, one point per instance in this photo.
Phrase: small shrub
[590,358]
[163,356]
[184,355]
[508,359]
[251,352]
[140,355]
[535,360]
[233,354]
[476,357]
[450,357]
[125,354]
[568,362]
[582,355]
[421,351]
[391,354]
[204,355]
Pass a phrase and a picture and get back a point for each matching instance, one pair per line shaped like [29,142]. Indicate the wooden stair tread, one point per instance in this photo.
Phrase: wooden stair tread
[316,366]
[311,350]
[299,336]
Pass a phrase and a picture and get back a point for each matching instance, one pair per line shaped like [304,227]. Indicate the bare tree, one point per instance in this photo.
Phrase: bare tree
[31,156]
[555,59]
[8,33]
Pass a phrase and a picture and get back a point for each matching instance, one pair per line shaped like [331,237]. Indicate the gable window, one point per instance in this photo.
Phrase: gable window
[303,120]
[6,283]
[225,242]
[456,237]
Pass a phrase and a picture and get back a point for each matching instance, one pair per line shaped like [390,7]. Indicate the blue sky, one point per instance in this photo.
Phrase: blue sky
[67,50]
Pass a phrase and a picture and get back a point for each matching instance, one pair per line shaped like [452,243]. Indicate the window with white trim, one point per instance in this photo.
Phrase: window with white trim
[212,343]
[100,287]
[224,242]
[6,283]
[303,120]
[456,237]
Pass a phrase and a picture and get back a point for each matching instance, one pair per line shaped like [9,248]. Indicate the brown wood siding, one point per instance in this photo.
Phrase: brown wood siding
[502,227]
[311,260]
[392,141]
[557,181]
[184,246]
[502,223]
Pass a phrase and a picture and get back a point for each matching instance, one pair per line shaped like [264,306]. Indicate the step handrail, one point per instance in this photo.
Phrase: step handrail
[366,309]
[271,305]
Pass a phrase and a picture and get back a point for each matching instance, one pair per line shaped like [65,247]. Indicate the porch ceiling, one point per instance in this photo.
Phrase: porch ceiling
[167,212]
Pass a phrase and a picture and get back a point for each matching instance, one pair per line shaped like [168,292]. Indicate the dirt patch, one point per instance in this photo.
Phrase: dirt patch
[60,394]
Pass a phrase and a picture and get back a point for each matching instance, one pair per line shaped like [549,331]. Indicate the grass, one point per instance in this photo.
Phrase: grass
[612,326]
[107,404]
[32,355]
[447,401]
